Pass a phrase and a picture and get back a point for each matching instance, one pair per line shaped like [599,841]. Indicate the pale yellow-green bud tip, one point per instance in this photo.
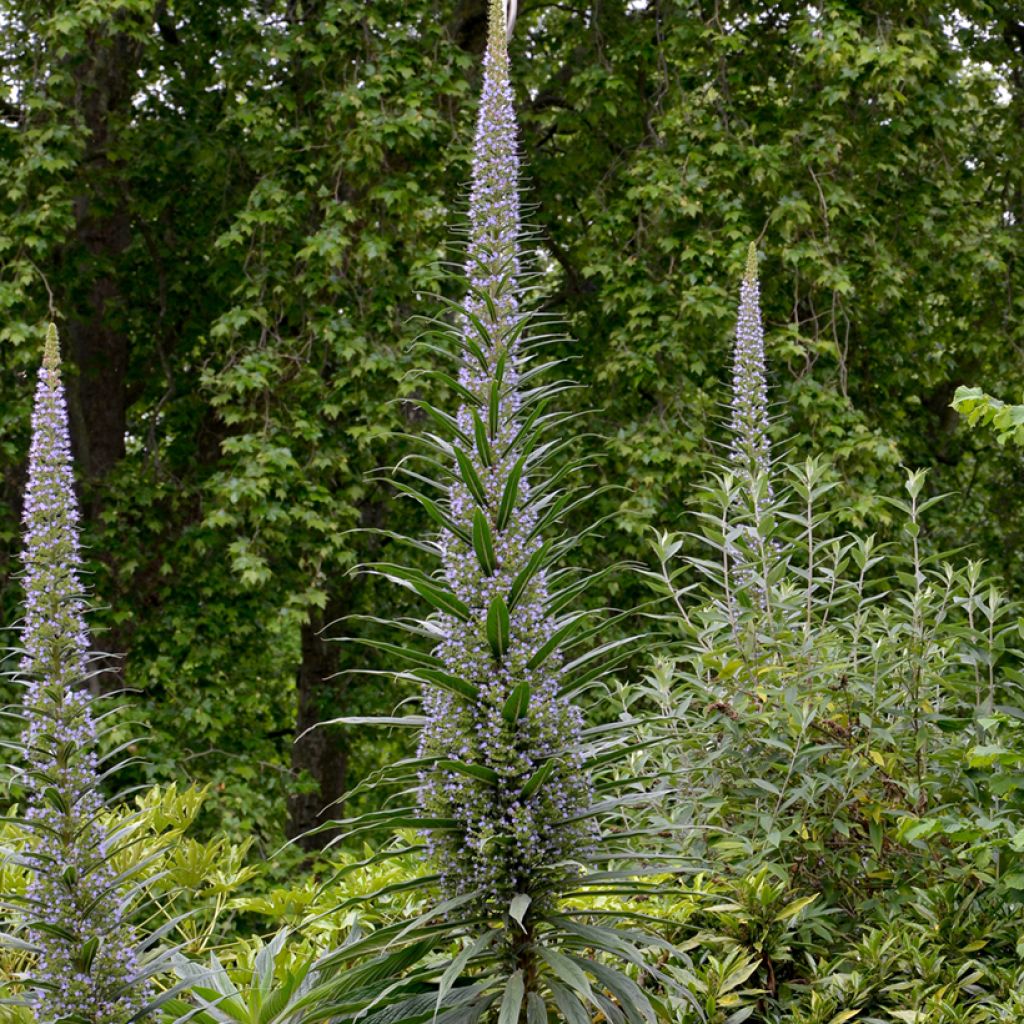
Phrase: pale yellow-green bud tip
[751,272]
[497,27]
[51,350]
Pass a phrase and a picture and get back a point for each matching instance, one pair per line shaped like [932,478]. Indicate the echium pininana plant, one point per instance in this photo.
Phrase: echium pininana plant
[750,457]
[507,718]
[750,447]
[86,961]
[519,803]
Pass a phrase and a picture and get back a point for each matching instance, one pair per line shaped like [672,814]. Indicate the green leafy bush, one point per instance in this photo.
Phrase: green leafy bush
[845,721]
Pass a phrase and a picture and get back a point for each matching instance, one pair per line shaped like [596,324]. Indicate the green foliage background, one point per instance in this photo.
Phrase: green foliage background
[232,210]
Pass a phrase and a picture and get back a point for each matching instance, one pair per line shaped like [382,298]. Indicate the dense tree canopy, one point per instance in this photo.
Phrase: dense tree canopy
[231,209]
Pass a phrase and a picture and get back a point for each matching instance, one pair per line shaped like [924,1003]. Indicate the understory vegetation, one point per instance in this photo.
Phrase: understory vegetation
[565,752]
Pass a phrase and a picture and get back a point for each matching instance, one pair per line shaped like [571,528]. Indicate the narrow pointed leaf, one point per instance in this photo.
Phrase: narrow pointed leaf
[470,477]
[498,627]
[494,408]
[512,1000]
[517,703]
[537,779]
[529,571]
[509,495]
[483,544]
[567,971]
[552,643]
[443,600]
[483,445]
[447,681]
[475,771]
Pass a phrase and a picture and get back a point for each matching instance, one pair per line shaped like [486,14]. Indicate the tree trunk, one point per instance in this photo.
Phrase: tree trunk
[104,85]
[322,752]
[97,345]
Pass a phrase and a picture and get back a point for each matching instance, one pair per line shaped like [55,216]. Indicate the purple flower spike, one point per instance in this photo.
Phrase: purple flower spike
[74,917]
[509,776]
[751,450]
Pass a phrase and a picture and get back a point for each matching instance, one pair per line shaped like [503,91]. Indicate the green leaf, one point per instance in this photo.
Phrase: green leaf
[443,600]
[87,954]
[433,510]
[536,1009]
[512,999]
[510,494]
[453,972]
[475,771]
[483,544]
[498,627]
[470,477]
[447,681]
[629,995]
[494,407]
[399,651]
[516,705]
[528,572]
[54,797]
[450,382]
[537,779]
[483,445]
[569,1005]
[568,971]
[553,642]
[518,907]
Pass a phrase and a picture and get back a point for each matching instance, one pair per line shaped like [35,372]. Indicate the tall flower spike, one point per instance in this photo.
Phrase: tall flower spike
[750,449]
[86,960]
[508,776]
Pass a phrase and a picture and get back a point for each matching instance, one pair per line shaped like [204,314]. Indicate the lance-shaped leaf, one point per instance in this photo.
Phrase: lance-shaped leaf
[443,600]
[473,771]
[483,543]
[397,650]
[537,779]
[434,511]
[498,627]
[517,703]
[494,408]
[446,681]
[530,570]
[470,477]
[449,381]
[552,643]
[483,444]
[512,1000]
[510,494]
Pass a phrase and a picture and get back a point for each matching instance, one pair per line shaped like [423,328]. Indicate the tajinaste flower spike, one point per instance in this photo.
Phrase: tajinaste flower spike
[750,449]
[508,776]
[519,804]
[86,956]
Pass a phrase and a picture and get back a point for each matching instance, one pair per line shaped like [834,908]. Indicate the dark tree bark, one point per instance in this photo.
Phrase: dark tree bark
[98,345]
[468,26]
[322,753]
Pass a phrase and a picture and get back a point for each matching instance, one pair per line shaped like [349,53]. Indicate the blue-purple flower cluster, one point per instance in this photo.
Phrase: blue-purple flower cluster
[74,914]
[509,835]
[750,450]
